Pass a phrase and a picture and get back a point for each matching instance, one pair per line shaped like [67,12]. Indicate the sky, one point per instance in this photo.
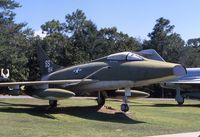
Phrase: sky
[134,17]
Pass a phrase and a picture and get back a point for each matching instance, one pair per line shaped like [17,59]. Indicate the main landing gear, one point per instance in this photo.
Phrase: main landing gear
[179,98]
[124,105]
[53,103]
[101,99]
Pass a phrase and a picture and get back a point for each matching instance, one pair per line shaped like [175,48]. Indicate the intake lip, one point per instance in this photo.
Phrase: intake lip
[179,70]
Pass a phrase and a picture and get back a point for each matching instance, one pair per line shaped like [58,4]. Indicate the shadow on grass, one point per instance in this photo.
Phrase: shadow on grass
[92,113]
[34,110]
[86,112]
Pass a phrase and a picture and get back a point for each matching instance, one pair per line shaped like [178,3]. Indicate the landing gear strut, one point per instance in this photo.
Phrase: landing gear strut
[101,99]
[179,98]
[124,105]
[53,103]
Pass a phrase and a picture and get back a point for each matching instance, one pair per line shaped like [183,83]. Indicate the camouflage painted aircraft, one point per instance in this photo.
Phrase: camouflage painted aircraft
[120,71]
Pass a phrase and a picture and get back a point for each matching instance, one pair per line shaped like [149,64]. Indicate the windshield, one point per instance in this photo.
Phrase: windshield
[134,57]
[125,56]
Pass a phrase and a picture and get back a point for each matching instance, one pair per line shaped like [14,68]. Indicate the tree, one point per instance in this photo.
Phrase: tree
[91,43]
[114,41]
[83,34]
[190,57]
[6,14]
[57,43]
[167,43]
[53,26]
[15,41]
[194,43]
[190,54]
[59,49]
[78,40]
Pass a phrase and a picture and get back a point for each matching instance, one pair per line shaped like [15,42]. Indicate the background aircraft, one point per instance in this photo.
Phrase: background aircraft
[117,71]
[189,85]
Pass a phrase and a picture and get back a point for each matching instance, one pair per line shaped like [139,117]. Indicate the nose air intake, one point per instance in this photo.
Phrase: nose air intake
[179,71]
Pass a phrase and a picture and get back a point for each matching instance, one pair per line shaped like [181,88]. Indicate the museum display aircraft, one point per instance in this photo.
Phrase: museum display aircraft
[120,71]
[186,86]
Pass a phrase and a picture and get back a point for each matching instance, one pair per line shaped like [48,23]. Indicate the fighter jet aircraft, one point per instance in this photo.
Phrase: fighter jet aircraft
[189,85]
[120,71]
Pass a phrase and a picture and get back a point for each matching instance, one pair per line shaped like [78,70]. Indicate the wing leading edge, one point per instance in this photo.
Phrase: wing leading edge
[54,82]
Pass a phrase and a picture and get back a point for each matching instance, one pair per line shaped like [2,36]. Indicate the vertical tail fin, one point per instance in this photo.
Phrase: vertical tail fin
[151,54]
[46,65]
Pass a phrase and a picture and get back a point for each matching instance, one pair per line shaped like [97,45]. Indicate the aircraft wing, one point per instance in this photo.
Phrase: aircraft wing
[54,82]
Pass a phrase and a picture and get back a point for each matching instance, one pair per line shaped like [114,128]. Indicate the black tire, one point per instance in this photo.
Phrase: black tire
[101,100]
[180,103]
[53,103]
[124,107]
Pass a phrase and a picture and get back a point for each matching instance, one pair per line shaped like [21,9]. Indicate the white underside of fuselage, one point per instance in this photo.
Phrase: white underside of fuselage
[118,84]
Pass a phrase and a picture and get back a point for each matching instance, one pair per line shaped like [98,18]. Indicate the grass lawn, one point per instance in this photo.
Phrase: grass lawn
[80,118]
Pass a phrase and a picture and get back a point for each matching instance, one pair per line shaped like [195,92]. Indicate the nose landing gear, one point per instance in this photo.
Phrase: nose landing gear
[179,98]
[124,105]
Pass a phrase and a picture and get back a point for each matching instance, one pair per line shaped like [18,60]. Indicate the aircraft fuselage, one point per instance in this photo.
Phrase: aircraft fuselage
[119,74]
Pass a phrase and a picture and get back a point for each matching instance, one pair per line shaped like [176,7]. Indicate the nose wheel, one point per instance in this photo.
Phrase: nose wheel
[179,98]
[124,105]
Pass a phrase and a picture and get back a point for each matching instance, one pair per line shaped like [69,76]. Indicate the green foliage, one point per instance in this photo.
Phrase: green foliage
[51,27]
[190,57]
[170,45]
[195,43]
[15,40]
[8,4]
[75,22]
[78,40]
[191,53]
[58,48]
[167,43]
[6,13]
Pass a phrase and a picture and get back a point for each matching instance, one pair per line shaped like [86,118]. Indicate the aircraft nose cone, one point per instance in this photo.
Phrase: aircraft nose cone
[179,71]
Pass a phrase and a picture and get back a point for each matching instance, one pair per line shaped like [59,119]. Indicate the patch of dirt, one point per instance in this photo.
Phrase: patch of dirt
[110,110]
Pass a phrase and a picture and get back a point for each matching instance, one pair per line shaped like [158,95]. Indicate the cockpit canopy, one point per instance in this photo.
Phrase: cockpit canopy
[125,56]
